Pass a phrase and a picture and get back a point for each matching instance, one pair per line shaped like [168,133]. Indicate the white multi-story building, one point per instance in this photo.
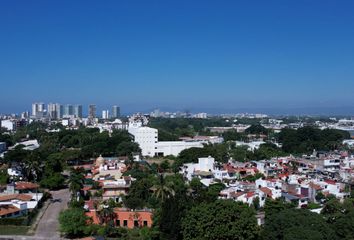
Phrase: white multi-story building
[146,137]
[55,110]
[105,114]
[78,111]
[201,115]
[38,109]
[10,125]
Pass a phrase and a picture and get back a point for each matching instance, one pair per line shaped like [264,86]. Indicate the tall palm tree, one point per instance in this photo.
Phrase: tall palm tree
[106,213]
[76,182]
[163,190]
[32,167]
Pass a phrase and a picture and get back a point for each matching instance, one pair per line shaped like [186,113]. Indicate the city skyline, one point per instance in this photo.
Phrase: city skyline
[271,56]
[276,111]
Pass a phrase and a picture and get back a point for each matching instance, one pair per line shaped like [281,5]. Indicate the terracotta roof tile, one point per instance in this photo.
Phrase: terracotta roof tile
[236,194]
[266,191]
[249,194]
[22,197]
[7,209]
[26,185]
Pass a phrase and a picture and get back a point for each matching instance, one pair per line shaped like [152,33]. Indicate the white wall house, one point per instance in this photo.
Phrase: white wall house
[8,124]
[189,170]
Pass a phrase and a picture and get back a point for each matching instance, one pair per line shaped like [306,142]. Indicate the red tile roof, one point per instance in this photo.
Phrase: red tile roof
[266,191]
[249,194]
[26,185]
[236,194]
[330,182]
[315,186]
[22,197]
[7,209]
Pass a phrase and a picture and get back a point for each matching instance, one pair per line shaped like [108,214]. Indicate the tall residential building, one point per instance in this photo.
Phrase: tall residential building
[68,110]
[24,115]
[92,111]
[105,114]
[38,109]
[52,110]
[60,110]
[78,111]
[115,112]
[55,110]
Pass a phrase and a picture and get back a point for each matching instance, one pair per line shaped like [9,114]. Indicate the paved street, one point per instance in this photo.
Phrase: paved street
[48,226]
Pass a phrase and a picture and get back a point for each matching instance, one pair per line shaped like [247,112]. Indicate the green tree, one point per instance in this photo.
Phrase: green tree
[257,129]
[4,177]
[240,153]
[296,224]
[106,213]
[169,213]
[139,193]
[233,135]
[73,222]
[127,148]
[220,220]
[163,189]
[76,183]
[32,167]
[53,182]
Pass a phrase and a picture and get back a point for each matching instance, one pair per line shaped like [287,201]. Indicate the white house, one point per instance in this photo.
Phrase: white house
[8,124]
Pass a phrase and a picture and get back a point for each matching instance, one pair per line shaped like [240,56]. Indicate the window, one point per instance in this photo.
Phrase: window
[118,223]
[136,223]
[145,223]
[125,223]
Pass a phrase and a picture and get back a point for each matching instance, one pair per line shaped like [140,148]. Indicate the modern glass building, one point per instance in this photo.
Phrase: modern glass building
[115,112]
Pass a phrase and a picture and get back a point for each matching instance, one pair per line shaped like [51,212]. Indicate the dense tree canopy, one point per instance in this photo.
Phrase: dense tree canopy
[73,222]
[45,164]
[306,139]
[222,219]
[291,224]
[257,129]
[233,135]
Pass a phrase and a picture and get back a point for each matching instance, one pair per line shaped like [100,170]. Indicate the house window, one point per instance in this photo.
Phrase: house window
[118,223]
[125,223]
[145,223]
[136,223]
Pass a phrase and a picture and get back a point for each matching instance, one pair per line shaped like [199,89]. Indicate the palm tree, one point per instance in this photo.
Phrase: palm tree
[32,168]
[76,182]
[106,213]
[163,189]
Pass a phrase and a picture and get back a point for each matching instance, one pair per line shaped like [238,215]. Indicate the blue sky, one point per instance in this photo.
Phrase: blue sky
[216,55]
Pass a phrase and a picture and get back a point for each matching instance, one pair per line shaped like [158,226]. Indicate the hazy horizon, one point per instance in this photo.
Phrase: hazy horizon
[270,56]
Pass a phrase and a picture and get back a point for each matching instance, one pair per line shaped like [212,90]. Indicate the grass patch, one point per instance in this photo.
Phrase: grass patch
[14,230]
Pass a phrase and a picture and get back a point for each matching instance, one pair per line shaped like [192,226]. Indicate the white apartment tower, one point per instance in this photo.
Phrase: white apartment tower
[105,114]
[38,109]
